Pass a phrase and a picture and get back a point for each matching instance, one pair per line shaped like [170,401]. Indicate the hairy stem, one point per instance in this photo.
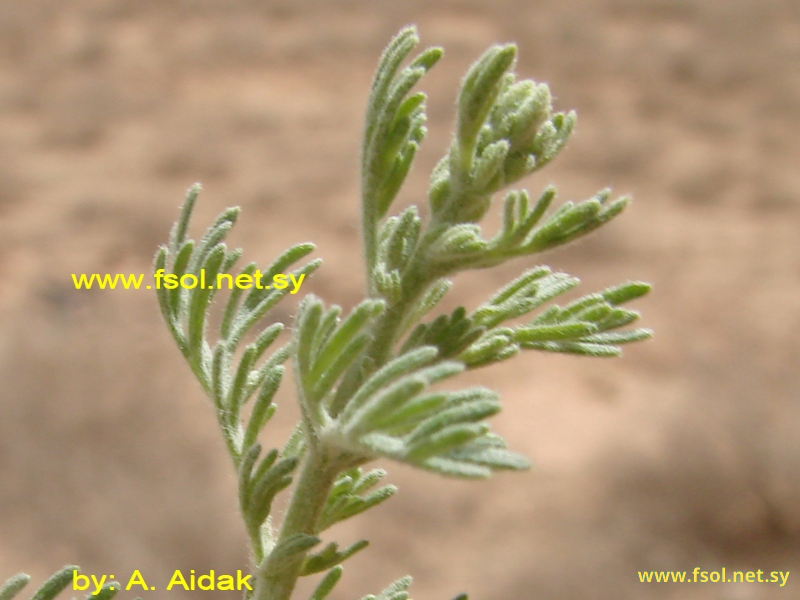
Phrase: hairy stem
[369,231]
[389,327]
[317,475]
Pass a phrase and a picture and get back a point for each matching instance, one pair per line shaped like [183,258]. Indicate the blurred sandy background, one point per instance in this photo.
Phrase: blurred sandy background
[683,454]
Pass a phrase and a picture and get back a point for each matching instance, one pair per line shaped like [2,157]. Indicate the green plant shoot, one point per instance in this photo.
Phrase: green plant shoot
[364,378]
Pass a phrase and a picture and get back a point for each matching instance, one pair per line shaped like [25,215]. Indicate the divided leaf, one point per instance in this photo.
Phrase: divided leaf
[352,494]
[187,273]
[450,335]
[258,485]
[329,557]
[325,347]
[395,121]
[361,396]
[587,325]
[393,415]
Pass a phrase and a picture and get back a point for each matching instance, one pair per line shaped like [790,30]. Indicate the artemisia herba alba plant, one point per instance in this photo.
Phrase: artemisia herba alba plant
[364,378]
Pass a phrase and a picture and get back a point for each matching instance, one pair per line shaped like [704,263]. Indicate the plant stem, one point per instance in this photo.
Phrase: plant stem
[369,227]
[317,475]
[388,327]
[414,283]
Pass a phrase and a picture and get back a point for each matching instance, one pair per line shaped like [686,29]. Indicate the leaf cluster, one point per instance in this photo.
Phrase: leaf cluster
[57,583]
[231,370]
[373,381]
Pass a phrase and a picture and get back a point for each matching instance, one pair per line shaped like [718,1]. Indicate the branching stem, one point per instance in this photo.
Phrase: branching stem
[317,475]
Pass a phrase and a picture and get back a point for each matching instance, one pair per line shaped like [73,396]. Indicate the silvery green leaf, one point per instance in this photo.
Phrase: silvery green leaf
[327,584]
[296,443]
[263,408]
[212,237]
[388,399]
[497,459]
[532,218]
[580,348]
[176,297]
[109,590]
[395,591]
[529,114]
[350,502]
[362,420]
[232,306]
[444,440]
[330,556]
[57,583]
[403,419]
[495,346]
[368,480]
[387,283]
[450,334]
[281,264]
[400,243]
[265,340]
[159,264]
[402,365]
[625,292]
[345,333]
[231,257]
[393,56]
[620,337]
[245,471]
[521,286]
[459,469]
[488,175]
[200,299]
[555,285]
[561,331]
[466,412]
[394,123]
[258,376]
[289,548]
[523,295]
[386,230]
[580,305]
[469,396]
[248,317]
[552,137]
[13,586]
[178,233]
[596,313]
[327,324]
[432,296]
[439,187]
[560,228]
[309,315]
[269,478]
[479,90]
[343,347]
[458,241]
[514,209]
[236,393]
[617,317]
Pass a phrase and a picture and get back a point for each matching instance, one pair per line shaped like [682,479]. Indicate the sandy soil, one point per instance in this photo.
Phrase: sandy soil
[682,454]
